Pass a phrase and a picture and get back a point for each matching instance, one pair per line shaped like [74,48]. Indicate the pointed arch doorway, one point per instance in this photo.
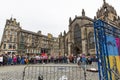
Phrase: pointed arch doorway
[76,51]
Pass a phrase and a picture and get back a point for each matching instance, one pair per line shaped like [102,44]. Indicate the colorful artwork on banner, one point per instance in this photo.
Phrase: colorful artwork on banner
[113,48]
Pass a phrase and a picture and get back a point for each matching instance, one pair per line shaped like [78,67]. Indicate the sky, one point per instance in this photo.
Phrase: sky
[49,16]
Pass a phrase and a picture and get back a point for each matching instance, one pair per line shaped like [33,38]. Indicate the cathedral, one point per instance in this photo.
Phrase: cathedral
[80,37]
[78,40]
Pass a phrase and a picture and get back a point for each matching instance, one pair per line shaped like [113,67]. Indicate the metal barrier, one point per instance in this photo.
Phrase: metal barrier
[52,73]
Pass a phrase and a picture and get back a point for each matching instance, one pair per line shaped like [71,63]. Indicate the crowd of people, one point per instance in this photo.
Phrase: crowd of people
[8,59]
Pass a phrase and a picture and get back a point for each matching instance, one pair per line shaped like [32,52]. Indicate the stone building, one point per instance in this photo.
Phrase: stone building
[16,40]
[80,36]
[78,40]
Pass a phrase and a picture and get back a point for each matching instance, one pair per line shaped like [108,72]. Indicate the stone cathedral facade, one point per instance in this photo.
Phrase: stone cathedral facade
[80,36]
[78,40]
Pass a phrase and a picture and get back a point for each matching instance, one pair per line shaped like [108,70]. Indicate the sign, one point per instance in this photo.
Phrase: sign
[113,48]
[107,38]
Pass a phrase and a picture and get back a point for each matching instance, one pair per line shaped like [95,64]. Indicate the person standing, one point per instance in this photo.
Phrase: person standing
[78,60]
[14,59]
[1,60]
[83,59]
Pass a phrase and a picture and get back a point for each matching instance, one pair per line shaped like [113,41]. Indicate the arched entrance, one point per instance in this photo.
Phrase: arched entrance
[76,51]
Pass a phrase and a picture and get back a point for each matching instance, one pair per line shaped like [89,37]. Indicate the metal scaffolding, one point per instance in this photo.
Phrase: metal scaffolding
[107,49]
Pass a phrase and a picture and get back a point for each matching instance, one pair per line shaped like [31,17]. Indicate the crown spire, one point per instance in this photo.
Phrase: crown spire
[104,1]
[105,6]
[83,12]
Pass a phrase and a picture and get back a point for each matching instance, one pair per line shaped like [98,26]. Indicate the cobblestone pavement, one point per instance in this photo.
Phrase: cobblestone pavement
[16,72]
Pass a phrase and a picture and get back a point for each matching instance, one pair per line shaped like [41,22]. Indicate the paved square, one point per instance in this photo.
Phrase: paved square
[48,71]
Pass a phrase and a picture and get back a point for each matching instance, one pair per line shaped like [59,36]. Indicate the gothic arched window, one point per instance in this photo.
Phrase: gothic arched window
[66,46]
[91,41]
[77,34]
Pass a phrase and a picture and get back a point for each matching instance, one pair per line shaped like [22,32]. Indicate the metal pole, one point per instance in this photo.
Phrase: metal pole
[85,72]
[84,69]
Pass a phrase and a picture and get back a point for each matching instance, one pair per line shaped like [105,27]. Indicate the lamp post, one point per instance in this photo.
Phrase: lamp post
[83,65]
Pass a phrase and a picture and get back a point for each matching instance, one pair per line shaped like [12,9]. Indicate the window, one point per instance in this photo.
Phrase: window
[114,18]
[10,46]
[4,46]
[22,37]
[10,32]
[5,39]
[10,38]
[14,39]
[15,33]
[14,47]
[77,34]
[6,33]
[91,40]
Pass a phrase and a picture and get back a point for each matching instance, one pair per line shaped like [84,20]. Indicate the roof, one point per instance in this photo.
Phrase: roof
[82,18]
